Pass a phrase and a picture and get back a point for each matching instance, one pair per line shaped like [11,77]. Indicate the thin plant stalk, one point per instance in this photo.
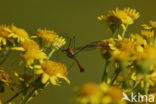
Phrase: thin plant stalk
[154,41]
[104,76]
[124,31]
[115,75]
[145,84]
[8,52]
[12,98]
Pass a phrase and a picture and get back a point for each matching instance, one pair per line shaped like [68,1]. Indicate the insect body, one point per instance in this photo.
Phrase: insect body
[70,54]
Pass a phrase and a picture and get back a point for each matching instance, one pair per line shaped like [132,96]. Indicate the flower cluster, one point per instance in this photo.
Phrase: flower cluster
[36,53]
[99,94]
[50,38]
[119,18]
[12,34]
[130,60]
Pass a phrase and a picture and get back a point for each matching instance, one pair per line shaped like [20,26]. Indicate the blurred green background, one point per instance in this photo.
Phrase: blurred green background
[78,18]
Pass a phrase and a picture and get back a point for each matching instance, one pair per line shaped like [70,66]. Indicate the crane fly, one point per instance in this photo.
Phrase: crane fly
[70,53]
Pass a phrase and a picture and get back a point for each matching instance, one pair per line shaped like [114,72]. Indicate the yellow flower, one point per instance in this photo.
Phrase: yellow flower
[152,24]
[32,52]
[106,45]
[89,93]
[110,18]
[148,54]
[121,55]
[88,89]
[147,33]
[30,45]
[126,48]
[5,78]
[119,18]
[27,46]
[113,22]
[17,33]
[4,34]
[145,59]
[101,18]
[111,94]
[11,34]
[52,71]
[151,79]
[33,55]
[132,13]
[126,45]
[139,40]
[51,38]
[47,35]
[115,94]
[122,15]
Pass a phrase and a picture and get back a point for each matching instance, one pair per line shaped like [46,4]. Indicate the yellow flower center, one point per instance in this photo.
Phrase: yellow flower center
[29,45]
[89,89]
[34,54]
[54,68]
[115,93]
[127,45]
[47,35]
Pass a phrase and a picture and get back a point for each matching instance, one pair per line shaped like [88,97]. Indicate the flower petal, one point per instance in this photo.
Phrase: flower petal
[39,71]
[53,80]
[63,77]
[45,78]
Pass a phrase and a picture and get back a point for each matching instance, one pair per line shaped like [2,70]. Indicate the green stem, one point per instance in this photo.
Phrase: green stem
[51,53]
[154,41]
[12,98]
[124,31]
[113,35]
[145,84]
[8,51]
[31,95]
[27,98]
[104,76]
[115,75]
